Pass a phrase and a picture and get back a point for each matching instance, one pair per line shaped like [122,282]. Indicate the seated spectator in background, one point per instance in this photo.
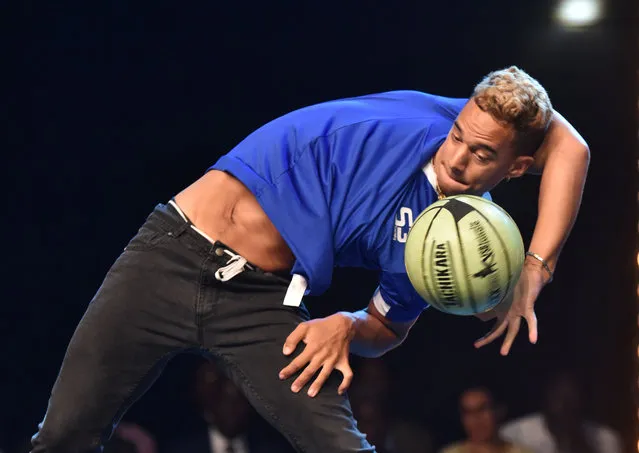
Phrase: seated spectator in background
[371,380]
[369,397]
[373,421]
[410,436]
[230,425]
[130,438]
[375,409]
[480,419]
[561,426]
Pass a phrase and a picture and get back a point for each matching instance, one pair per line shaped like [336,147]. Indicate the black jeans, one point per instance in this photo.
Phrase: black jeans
[160,298]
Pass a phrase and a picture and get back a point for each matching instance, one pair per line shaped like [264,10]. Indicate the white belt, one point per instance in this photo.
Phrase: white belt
[234,266]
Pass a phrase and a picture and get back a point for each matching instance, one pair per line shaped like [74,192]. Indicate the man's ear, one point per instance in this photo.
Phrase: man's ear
[520,166]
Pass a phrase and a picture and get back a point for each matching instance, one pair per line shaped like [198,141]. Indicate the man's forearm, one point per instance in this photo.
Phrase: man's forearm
[564,167]
[370,336]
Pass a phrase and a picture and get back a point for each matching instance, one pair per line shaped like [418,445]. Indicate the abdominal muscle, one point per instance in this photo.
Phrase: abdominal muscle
[225,210]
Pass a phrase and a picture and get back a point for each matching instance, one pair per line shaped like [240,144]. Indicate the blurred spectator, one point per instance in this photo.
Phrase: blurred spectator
[229,423]
[369,396]
[480,419]
[371,380]
[373,421]
[374,409]
[129,437]
[408,436]
[561,427]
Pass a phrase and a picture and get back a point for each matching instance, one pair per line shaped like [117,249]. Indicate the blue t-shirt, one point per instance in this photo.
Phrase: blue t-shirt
[342,182]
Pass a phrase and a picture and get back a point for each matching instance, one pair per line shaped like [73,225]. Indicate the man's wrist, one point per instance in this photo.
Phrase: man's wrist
[350,321]
[534,261]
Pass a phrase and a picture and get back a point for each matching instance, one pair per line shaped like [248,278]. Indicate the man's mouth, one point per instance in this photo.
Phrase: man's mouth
[451,176]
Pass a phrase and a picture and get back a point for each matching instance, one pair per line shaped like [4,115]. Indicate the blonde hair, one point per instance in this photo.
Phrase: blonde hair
[513,97]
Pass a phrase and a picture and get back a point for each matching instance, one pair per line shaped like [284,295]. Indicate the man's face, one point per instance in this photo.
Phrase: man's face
[478,153]
[478,416]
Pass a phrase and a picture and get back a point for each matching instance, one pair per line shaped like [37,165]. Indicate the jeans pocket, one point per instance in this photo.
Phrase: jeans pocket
[146,238]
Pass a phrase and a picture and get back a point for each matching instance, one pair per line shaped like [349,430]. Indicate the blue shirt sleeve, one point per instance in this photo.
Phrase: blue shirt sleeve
[396,298]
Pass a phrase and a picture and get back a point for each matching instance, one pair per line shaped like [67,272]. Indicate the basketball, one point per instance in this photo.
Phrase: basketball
[464,254]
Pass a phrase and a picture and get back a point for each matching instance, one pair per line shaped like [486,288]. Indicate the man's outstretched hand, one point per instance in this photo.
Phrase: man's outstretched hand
[521,305]
[327,342]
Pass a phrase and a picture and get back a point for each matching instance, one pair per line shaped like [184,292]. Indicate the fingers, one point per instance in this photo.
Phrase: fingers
[307,374]
[497,331]
[348,377]
[531,320]
[327,368]
[294,338]
[513,328]
[313,364]
[326,343]
[296,364]
[513,323]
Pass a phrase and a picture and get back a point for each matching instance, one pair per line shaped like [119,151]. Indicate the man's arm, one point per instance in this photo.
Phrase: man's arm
[372,334]
[328,341]
[562,160]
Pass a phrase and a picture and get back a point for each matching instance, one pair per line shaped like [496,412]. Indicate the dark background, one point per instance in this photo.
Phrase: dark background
[128,102]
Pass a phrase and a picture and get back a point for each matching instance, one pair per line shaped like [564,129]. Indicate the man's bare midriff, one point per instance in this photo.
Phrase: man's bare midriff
[224,209]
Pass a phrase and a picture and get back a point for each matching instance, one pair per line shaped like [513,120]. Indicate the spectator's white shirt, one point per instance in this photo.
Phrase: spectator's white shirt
[220,444]
[532,433]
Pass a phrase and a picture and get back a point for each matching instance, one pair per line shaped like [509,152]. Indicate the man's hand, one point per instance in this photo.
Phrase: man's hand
[327,343]
[521,305]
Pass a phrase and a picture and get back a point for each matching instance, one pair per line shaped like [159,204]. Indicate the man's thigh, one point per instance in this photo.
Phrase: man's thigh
[248,332]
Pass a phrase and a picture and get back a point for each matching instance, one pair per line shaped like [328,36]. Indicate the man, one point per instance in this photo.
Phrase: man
[561,426]
[131,438]
[227,423]
[317,188]
[480,418]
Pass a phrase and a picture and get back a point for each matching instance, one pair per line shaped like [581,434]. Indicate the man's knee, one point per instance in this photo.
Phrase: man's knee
[343,438]
[329,425]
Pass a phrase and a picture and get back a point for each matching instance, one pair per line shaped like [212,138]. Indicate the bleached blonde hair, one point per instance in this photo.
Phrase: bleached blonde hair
[515,98]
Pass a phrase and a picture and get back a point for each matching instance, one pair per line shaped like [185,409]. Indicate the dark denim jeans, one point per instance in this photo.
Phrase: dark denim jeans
[160,298]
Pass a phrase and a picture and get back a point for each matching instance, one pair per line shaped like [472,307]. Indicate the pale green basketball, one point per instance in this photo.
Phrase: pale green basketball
[464,254]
